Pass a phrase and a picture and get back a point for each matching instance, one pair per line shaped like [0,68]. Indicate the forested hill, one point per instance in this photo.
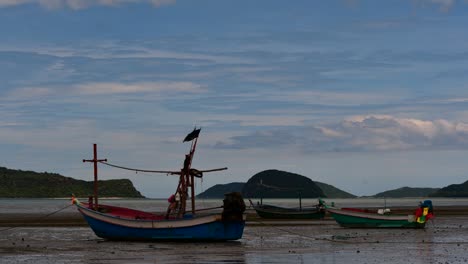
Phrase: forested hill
[453,190]
[30,184]
[407,192]
[280,184]
[277,184]
[219,190]
[331,191]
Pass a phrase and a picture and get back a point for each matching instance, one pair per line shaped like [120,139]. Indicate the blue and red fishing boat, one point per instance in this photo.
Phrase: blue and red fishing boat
[225,222]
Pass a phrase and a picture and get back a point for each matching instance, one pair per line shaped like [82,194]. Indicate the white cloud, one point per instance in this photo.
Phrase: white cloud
[162,2]
[47,96]
[444,5]
[329,97]
[82,4]
[144,87]
[29,92]
[4,3]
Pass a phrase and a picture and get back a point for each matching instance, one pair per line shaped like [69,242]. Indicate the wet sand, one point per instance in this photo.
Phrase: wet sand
[445,240]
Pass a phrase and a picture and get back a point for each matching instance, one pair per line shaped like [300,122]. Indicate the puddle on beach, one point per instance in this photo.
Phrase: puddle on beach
[445,241]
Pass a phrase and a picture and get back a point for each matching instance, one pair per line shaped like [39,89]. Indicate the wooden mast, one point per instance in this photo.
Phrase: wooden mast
[95,160]
[192,177]
[187,180]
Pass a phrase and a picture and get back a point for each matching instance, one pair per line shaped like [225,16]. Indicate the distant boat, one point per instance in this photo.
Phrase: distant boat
[277,212]
[118,223]
[382,218]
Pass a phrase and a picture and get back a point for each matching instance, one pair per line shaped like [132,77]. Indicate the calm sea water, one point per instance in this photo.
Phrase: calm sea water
[38,206]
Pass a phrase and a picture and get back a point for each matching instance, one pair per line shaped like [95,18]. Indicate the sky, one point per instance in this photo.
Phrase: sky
[361,94]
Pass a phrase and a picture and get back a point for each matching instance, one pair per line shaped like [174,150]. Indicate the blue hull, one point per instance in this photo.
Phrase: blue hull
[212,231]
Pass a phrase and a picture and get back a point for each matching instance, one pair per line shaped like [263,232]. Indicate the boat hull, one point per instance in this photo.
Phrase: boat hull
[368,220]
[210,227]
[274,212]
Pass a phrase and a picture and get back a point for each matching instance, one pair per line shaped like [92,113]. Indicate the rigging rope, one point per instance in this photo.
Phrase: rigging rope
[138,170]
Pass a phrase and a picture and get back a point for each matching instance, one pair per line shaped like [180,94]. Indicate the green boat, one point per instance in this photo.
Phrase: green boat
[364,218]
[277,212]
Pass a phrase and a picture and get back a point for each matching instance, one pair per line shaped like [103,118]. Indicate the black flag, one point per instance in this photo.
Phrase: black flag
[192,135]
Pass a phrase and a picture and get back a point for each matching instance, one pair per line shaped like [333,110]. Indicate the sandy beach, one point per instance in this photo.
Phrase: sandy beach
[65,238]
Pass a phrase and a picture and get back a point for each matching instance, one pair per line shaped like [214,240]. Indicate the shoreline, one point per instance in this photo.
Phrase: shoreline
[64,219]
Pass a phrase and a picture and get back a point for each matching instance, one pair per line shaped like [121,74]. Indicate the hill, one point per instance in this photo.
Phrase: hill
[454,190]
[219,190]
[30,184]
[280,184]
[407,192]
[331,191]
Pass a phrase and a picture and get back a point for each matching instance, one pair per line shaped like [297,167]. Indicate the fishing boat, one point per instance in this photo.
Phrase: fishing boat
[276,212]
[382,218]
[225,222]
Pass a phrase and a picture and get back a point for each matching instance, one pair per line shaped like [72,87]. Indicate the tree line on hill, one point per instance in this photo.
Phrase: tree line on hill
[265,184]
[30,184]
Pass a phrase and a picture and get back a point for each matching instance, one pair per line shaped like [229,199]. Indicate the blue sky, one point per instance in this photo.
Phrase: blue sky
[364,95]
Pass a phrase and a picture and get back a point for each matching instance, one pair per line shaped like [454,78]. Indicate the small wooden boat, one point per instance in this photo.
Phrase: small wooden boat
[363,218]
[277,212]
[226,222]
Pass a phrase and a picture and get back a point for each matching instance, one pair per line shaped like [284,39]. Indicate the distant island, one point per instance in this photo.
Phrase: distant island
[30,184]
[277,184]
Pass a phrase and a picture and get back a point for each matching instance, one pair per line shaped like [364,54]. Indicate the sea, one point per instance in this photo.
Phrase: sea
[47,205]
[445,239]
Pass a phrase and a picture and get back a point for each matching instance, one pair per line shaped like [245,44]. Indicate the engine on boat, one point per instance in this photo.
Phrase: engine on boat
[234,206]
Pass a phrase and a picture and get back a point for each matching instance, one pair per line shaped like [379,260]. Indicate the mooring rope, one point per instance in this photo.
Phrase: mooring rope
[353,241]
[291,232]
[39,218]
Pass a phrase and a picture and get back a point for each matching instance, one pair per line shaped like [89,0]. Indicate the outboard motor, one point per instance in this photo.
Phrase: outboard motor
[425,212]
[234,207]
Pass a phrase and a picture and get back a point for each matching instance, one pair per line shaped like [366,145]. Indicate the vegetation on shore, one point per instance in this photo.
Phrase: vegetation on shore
[30,184]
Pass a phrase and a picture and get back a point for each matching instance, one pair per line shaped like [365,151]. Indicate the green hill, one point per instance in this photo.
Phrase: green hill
[333,192]
[30,184]
[454,190]
[219,190]
[280,184]
[407,192]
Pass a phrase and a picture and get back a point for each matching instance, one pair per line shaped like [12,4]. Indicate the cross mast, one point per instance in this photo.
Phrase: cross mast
[95,160]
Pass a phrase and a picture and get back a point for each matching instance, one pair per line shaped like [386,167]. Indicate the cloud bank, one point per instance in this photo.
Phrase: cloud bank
[361,133]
